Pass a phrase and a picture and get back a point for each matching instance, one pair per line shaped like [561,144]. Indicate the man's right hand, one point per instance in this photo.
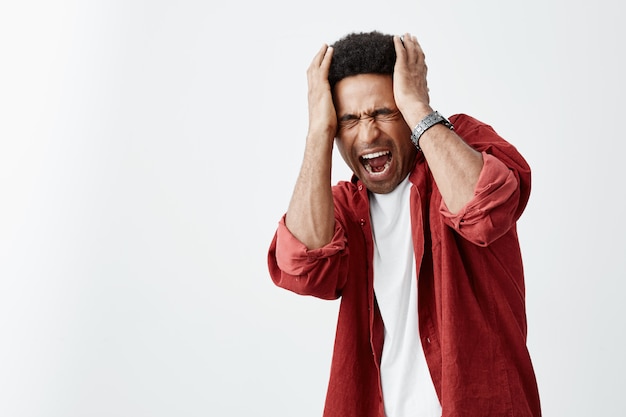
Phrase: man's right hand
[322,116]
[311,214]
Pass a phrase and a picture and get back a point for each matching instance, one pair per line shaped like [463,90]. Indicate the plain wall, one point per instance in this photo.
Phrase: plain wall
[149,148]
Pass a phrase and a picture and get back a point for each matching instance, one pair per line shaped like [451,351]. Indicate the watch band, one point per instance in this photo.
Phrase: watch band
[425,124]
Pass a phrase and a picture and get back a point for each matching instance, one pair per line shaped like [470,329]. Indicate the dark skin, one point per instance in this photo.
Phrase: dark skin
[365,99]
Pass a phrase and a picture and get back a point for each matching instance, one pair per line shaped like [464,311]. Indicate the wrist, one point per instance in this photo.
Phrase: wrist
[430,120]
[322,132]
[320,143]
[415,113]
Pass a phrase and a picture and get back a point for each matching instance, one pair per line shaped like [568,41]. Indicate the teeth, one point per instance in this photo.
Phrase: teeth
[375,155]
[369,168]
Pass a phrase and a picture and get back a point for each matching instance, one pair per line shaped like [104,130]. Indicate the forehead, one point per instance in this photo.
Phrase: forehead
[364,92]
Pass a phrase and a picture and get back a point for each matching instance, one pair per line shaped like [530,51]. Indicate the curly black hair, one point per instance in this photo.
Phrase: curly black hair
[362,53]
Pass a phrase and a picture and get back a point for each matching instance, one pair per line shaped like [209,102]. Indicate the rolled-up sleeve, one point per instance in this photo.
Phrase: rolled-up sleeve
[491,212]
[318,272]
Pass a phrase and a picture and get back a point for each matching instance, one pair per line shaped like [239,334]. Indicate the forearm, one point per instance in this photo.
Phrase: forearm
[320,272]
[454,164]
[311,216]
[492,210]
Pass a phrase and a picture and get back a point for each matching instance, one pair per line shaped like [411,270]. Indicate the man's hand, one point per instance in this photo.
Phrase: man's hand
[311,213]
[322,116]
[454,165]
[410,88]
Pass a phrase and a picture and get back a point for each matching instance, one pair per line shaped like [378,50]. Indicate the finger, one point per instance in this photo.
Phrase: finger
[400,50]
[412,47]
[326,59]
[319,56]
[418,48]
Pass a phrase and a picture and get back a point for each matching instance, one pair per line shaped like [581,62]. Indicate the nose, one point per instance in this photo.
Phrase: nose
[368,130]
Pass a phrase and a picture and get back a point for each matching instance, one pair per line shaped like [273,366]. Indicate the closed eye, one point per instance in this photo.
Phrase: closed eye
[384,114]
[348,121]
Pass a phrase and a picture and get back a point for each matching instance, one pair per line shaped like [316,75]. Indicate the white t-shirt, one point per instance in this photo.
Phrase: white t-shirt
[408,389]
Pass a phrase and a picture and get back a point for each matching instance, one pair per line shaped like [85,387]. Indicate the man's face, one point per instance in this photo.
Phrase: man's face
[373,137]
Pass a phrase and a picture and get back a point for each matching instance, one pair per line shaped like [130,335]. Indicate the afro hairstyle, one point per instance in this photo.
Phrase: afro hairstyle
[362,53]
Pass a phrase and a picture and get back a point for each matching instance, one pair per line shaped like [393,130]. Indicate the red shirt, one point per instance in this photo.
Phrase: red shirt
[471,302]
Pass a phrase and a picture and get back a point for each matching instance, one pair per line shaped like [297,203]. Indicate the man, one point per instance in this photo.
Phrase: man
[421,245]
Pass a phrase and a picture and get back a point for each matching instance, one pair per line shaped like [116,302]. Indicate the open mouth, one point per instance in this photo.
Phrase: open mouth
[376,162]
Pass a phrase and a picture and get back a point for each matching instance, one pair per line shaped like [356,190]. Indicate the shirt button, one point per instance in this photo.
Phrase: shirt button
[360,187]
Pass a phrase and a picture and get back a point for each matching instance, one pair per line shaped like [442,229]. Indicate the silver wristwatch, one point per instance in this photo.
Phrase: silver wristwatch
[425,124]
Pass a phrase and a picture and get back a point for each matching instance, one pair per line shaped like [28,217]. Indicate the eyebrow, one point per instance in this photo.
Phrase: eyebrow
[347,117]
[373,113]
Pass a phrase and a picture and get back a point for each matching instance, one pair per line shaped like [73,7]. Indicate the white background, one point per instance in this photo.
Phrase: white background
[148,149]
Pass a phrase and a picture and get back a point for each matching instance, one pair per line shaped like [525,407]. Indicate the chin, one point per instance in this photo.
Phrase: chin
[380,188]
